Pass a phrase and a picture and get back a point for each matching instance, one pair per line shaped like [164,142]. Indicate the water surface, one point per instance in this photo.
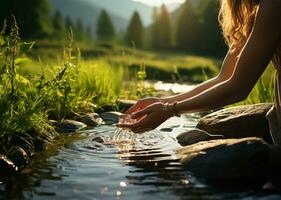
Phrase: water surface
[83,167]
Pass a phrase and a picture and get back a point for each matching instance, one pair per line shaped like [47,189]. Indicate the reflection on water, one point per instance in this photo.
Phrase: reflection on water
[96,167]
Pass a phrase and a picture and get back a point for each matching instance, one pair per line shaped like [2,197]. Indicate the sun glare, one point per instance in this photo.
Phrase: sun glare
[159,2]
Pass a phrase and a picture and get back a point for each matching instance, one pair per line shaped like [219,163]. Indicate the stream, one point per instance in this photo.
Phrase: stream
[91,165]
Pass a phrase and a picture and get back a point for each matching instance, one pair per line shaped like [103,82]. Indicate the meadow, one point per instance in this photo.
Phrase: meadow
[51,80]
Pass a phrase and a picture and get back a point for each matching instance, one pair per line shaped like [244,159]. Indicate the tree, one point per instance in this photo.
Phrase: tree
[161,29]
[33,16]
[211,36]
[79,31]
[135,32]
[105,28]
[59,26]
[68,23]
[188,28]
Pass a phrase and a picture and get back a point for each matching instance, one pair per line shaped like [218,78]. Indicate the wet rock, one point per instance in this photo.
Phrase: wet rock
[229,161]
[99,139]
[166,130]
[274,166]
[6,166]
[68,126]
[111,117]
[18,156]
[196,135]
[92,119]
[125,105]
[106,108]
[39,144]
[238,122]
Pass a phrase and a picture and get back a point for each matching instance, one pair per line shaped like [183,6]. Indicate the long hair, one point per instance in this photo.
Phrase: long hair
[237,19]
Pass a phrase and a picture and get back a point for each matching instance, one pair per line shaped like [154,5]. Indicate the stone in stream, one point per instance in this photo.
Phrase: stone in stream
[238,122]
[228,162]
[91,119]
[196,135]
[111,117]
[68,126]
[18,156]
[166,130]
[6,166]
[125,105]
[275,166]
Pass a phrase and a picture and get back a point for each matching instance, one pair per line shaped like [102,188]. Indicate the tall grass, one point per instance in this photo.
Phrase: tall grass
[29,100]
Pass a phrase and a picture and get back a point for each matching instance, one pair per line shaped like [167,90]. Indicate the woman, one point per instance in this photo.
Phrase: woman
[252,30]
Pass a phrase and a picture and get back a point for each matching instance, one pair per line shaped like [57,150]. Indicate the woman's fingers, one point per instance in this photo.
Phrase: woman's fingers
[141,113]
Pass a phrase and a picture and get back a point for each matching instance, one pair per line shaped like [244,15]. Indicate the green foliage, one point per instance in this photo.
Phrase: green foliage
[198,28]
[161,29]
[105,28]
[135,32]
[28,101]
[188,28]
[59,26]
[20,102]
[33,16]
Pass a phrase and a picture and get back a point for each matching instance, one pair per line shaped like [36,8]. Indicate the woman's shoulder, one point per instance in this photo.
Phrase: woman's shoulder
[270,11]
[271,5]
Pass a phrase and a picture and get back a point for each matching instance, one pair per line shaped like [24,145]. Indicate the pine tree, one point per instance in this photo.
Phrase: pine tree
[69,23]
[164,32]
[60,31]
[135,32]
[105,28]
[79,31]
[161,29]
[188,28]
[211,36]
[33,16]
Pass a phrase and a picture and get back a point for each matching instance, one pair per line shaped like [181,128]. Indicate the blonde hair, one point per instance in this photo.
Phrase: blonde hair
[237,19]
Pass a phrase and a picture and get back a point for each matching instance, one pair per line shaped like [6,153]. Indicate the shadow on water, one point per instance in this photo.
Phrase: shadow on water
[90,165]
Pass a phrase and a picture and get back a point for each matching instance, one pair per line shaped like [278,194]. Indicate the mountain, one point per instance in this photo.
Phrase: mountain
[125,8]
[120,11]
[88,12]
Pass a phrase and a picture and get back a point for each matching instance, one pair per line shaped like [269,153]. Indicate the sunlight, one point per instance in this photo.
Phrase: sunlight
[159,2]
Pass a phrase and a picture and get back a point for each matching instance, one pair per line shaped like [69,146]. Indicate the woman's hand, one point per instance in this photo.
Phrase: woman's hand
[149,118]
[141,104]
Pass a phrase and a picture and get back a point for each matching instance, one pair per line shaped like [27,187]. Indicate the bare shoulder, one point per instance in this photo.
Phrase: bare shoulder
[269,14]
[272,7]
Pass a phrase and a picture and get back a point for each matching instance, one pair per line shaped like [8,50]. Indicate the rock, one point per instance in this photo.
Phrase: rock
[92,119]
[166,130]
[68,126]
[6,166]
[238,122]
[125,105]
[39,144]
[106,108]
[274,166]
[18,156]
[229,161]
[99,139]
[110,117]
[195,136]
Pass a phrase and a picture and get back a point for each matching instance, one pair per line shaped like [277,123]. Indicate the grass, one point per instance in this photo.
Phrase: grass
[32,93]
[165,66]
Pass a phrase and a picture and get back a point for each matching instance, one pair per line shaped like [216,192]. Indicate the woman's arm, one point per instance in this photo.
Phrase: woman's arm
[226,71]
[254,58]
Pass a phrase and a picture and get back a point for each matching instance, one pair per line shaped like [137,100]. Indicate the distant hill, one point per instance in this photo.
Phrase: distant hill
[119,10]
[87,12]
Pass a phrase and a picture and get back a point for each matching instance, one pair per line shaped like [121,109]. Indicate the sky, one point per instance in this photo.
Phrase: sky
[159,2]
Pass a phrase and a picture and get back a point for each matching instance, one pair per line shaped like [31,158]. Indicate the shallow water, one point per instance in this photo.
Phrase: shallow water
[143,168]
